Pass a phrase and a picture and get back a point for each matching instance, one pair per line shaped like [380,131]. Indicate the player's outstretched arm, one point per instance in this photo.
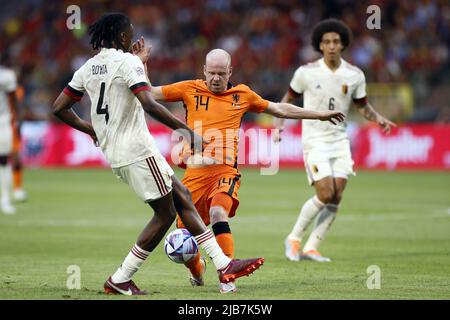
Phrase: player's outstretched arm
[290,111]
[62,109]
[370,114]
[278,123]
[158,94]
[160,113]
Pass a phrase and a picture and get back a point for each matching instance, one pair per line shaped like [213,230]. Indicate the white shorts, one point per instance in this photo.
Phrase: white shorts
[336,163]
[150,178]
[6,138]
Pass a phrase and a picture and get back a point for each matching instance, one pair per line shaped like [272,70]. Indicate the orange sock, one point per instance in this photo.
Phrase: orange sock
[226,242]
[195,266]
[17,179]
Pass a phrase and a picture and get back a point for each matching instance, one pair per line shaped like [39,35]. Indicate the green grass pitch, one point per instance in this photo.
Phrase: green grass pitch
[398,221]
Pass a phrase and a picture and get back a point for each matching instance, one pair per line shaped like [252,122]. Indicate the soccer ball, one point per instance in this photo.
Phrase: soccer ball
[180,246]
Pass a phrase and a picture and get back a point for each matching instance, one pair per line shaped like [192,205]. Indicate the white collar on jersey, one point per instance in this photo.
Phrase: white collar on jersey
[324,65]
[110,49]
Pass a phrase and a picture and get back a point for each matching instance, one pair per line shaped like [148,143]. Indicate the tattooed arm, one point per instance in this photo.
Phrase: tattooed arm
[370,114]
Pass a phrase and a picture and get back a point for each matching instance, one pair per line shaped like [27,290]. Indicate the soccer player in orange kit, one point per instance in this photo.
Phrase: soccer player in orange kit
[216,107]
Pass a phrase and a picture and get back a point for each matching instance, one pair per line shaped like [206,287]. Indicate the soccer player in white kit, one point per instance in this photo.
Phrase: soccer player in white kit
[8,84]
[116,82]
[330,83]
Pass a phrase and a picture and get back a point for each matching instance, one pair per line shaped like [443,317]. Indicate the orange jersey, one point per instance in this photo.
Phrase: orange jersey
[217,117]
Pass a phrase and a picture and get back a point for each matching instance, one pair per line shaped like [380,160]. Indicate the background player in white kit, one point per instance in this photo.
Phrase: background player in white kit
[116,82]
[8,84]
[329,83]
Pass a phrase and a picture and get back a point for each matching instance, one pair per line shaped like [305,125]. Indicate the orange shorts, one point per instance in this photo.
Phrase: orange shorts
[204,183]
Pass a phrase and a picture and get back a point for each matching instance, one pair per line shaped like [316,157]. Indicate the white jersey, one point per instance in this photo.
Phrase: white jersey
[8,84]
[111,78]
[325,90]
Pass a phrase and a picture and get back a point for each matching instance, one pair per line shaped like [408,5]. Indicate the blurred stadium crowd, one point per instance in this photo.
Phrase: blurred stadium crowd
[268,39]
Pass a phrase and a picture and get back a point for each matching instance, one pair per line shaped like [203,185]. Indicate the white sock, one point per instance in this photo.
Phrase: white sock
[5,183]
[323,223]
[130,265]
[308,212]
[208,242]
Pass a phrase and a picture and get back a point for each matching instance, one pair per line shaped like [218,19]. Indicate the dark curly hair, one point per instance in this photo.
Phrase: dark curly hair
[107,30]
[331,25]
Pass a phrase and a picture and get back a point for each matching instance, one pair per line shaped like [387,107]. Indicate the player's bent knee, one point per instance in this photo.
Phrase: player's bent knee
[167,218]
[164,209]
[326,196]
[218,214]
